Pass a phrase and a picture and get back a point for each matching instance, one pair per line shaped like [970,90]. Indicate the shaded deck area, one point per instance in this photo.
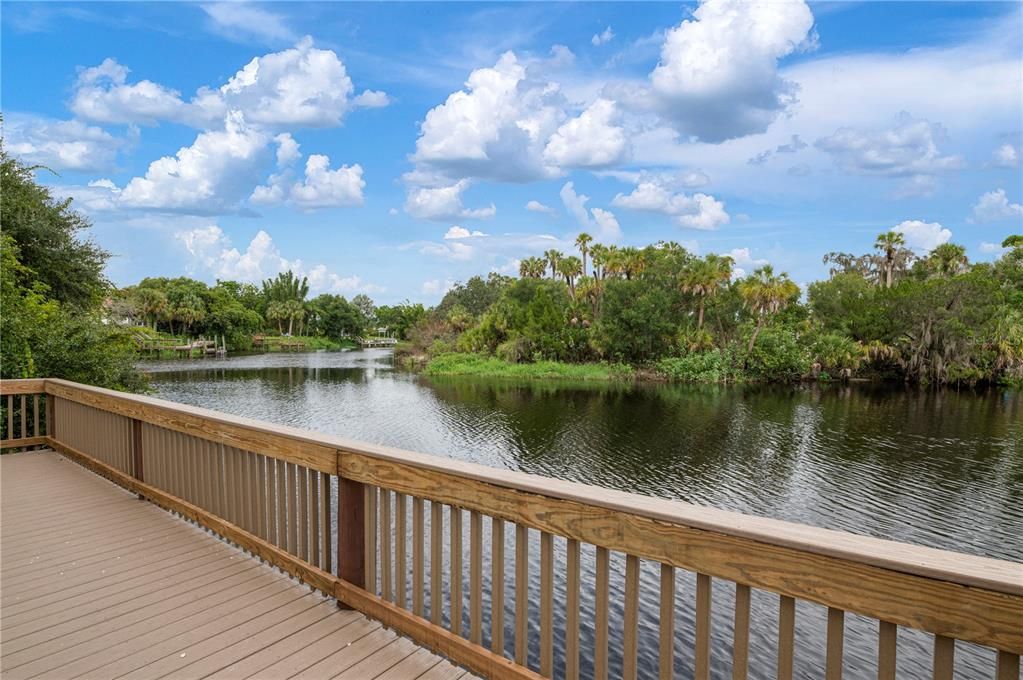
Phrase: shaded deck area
[98,584]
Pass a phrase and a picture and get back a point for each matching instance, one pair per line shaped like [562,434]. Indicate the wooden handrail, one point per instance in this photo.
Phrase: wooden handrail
[953,595]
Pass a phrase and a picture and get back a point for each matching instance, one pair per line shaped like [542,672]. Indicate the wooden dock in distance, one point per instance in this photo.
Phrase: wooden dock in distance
[144,595]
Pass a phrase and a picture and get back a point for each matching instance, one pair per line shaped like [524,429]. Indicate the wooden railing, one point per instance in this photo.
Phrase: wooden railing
[432,547]
[24,414]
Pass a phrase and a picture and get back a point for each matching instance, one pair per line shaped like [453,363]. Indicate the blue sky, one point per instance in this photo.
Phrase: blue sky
[396,148]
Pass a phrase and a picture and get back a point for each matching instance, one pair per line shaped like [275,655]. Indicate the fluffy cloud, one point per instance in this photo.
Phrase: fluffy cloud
[718,78]
[923,236]
[994,206]
[601,222]
[743,262]
[211,252]
[602,38]
[457,232]
[497,127]
[324,187]
[456,251]
[102,94]
[210,176]
[1006,156]
[60,144]
[299,86]
[908,150]
[696,211]
[537,206]
[372,99]
[593,139]
[443,203]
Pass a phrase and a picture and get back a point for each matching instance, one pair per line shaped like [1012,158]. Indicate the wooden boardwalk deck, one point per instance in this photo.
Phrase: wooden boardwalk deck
[98,584]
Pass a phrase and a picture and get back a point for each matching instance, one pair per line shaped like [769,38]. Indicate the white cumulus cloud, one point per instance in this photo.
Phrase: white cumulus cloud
[923,236]
[602,223]
[602,38]
[994,206]
[593,139]
[696,211]
[60,144]
[718,74]
[457,232]
[537,206]
[443,203]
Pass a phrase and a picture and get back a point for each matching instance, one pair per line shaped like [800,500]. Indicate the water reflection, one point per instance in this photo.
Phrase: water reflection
[943,469]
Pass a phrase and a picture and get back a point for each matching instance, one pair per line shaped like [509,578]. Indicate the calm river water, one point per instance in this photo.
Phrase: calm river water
[943,469]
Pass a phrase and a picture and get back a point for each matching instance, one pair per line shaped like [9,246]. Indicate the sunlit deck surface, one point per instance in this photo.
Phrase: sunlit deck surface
[98,584]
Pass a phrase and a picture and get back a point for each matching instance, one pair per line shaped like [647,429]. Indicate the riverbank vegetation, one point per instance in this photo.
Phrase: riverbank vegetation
[890,314]
[52,289]
[455,364]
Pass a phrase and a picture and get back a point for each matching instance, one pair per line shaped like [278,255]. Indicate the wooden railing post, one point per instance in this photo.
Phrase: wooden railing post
[136,452]
[51,419]
[351,532]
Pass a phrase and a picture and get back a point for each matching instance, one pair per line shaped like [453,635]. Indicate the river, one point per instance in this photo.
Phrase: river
[936,468]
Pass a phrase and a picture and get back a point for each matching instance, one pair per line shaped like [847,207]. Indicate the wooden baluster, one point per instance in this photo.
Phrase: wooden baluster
[497,586]
[572,610]
[786,636]
[325,522]
[666,641]
[887,635]
[546,604]
[386,577]
[1008,666]
[303,514]
[282,507]
[603,579]
[418,548]
[10,417]
[247,488]
[476,577]
[400,534]
[23,421]
[836,637]
[209,481]
[521,594]
[263,497]
[456,570]
[370,539]
[292,509]
[944,657]
[703,586]
[50,416]
[740,646]
[351,532]
[436,562]
[631,647]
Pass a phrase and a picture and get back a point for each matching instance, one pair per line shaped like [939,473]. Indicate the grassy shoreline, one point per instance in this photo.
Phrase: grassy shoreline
[491,367]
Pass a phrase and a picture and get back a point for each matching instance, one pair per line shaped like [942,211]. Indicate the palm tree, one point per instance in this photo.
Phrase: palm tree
[570,268]
[553,257]
[893,255]
[633,262]
[703,278]
[948,259]
[598,255]
[532,268]
[582,242]
[276,311]
[152,303]
[189,309]
[765,295]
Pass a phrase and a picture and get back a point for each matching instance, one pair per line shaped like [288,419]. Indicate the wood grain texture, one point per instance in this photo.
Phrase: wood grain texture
[436,563]
[1007,667]
[942,607]
[521,594]
[278,441]
[786,636]
[27,441]
[703,604]
[476,577]
[666,634]
[497,587]
[601,605]
[944,657]
[456,604]
[546,605]
[740,641]
[22,386]
[887,639]
[572,610]
[418,548]
[630,645]
[835,644]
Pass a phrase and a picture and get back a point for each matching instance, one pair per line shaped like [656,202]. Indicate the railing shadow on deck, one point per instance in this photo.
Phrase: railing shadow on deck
[336,514]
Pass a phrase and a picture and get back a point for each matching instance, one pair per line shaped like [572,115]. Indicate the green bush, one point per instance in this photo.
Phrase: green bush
[712,366]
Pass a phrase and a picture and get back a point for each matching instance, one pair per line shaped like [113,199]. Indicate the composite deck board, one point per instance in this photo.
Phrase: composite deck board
[96,583]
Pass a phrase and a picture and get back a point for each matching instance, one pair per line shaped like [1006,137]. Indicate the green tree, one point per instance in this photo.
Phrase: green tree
[765,294]
[703,278]
[582,242]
